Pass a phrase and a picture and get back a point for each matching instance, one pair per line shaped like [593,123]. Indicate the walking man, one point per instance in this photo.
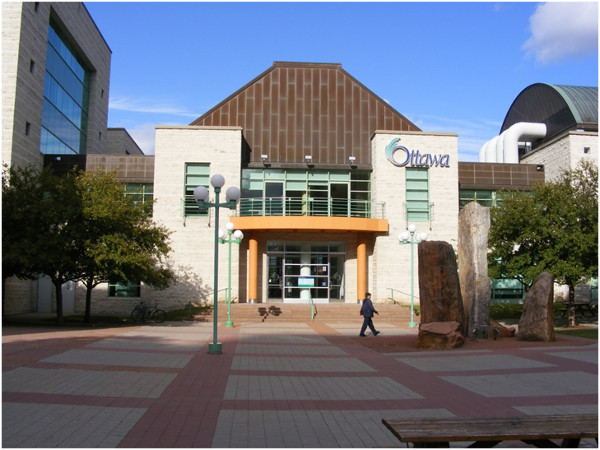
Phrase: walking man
[367,311]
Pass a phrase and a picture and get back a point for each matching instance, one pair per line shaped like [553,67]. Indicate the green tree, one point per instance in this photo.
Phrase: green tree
[122,243]
[42,229]
[552,228]
[78,227]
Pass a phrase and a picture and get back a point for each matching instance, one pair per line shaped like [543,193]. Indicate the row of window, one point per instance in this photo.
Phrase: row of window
[293,192]
[66,99]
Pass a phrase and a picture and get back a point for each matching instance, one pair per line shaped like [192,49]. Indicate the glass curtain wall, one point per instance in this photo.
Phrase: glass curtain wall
[289,192]
[66,99]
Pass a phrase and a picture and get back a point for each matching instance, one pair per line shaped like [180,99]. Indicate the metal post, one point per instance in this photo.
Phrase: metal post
[229,323]
[215,347]
[412,323]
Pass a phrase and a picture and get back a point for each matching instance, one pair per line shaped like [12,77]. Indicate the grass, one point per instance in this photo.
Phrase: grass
[512,311]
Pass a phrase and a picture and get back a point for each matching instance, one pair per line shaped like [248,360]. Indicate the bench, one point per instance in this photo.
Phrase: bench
[487,432]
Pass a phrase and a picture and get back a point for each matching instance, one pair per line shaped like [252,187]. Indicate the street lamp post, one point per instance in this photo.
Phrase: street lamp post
[201,195]
[408,237]
[237,239]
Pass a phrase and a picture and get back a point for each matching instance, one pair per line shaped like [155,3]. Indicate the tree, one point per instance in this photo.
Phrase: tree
[122,243]
[42,229]
[78,227]
[553,228]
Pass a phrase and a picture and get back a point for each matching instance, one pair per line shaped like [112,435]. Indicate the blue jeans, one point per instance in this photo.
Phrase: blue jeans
[367,322]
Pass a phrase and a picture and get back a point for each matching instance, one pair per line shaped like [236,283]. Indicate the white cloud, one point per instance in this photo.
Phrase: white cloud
[148,106]
[143,134]
[563,30]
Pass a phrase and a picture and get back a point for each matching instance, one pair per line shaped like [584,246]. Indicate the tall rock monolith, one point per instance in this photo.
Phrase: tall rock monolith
[475,285]
[439,287]
[537,320]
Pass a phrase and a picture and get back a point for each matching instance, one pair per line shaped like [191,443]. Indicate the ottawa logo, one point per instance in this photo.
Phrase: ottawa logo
[400,156]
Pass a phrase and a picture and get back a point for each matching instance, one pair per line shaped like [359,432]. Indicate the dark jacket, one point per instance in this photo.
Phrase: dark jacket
[367,309]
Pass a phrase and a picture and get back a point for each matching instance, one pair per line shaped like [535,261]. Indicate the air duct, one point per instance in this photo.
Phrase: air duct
[505,147]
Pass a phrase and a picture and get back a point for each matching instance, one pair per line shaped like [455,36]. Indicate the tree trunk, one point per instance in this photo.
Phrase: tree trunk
[571,306]
[88,301]
[59,303]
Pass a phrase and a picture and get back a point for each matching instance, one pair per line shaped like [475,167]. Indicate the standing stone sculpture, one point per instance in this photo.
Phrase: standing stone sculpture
[475,285]
[439,295]
[537,320]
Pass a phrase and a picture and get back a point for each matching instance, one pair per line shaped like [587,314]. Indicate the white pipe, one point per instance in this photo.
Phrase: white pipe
[500,148]
[522,131]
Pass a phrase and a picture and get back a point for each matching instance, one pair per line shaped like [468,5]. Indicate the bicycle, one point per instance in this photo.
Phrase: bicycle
[142,312]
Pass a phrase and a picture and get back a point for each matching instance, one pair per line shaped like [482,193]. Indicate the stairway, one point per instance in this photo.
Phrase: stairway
[289,312]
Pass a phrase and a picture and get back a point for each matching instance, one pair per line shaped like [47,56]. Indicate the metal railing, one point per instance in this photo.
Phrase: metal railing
[406,294]
[302,206]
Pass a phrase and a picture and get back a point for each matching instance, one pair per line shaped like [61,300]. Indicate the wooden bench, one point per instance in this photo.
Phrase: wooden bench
[487,432]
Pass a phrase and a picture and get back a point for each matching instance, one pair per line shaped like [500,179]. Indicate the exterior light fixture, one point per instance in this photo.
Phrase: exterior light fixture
[236,239]
[308,159]
[408,237]
[352,161]
[201,196]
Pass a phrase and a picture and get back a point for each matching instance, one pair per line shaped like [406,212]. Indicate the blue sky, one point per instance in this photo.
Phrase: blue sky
[450,67]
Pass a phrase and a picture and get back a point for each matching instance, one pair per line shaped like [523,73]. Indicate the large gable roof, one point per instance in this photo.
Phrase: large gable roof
[296,109]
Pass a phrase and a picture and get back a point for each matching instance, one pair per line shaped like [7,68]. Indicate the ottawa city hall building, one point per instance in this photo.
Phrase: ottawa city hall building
[329,173]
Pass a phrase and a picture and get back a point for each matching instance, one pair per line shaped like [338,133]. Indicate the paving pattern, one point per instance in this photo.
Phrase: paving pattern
[290,385]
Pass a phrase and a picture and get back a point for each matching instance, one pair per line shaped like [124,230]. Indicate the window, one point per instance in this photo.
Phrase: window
[293,192]
[196,174]
[487,198]
[124,289]
[66,99]
[417,195]
[141,192]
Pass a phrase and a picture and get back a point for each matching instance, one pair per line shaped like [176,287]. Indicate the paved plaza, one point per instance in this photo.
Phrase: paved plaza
[275,385]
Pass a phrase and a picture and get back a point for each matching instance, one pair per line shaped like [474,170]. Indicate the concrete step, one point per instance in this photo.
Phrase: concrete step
[290,312]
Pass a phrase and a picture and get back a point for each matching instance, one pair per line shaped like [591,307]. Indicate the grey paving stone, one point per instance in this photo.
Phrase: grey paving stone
[299,364]
[33,425]
[116,358]
[160,345]
[590,356]
[86,382]
[549,410]
[528,384]
[312,428]
[251,387]
[457,363]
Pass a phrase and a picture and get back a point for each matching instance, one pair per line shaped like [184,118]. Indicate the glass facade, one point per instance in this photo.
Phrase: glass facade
[66,99]
[293,192]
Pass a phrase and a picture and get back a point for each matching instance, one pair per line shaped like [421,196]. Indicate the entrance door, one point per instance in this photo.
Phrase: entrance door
[299,271]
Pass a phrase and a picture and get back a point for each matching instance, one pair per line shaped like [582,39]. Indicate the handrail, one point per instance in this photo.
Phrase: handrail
[312,306]
[402,292]
[305,206]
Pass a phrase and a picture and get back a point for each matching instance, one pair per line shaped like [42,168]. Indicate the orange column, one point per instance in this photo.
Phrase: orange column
[252,268]
[361,265]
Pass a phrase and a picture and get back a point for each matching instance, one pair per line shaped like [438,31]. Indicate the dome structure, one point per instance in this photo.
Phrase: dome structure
[560,108]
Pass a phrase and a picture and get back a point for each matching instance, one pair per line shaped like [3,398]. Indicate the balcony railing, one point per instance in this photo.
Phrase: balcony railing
[301,206]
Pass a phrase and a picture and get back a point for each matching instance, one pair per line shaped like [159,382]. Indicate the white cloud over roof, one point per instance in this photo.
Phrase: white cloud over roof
[561,31]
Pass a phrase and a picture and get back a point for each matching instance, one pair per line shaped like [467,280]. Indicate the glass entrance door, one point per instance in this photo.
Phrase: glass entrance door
[299,271]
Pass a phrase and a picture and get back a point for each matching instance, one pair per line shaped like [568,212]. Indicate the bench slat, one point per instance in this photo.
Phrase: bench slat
[491,429]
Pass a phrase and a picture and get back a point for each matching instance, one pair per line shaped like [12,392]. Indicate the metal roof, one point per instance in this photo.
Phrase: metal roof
[559,107]
[582,101]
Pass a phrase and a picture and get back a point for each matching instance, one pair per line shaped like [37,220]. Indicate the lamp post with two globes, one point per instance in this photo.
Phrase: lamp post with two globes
[237,239]
[408,237]
[201,196]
